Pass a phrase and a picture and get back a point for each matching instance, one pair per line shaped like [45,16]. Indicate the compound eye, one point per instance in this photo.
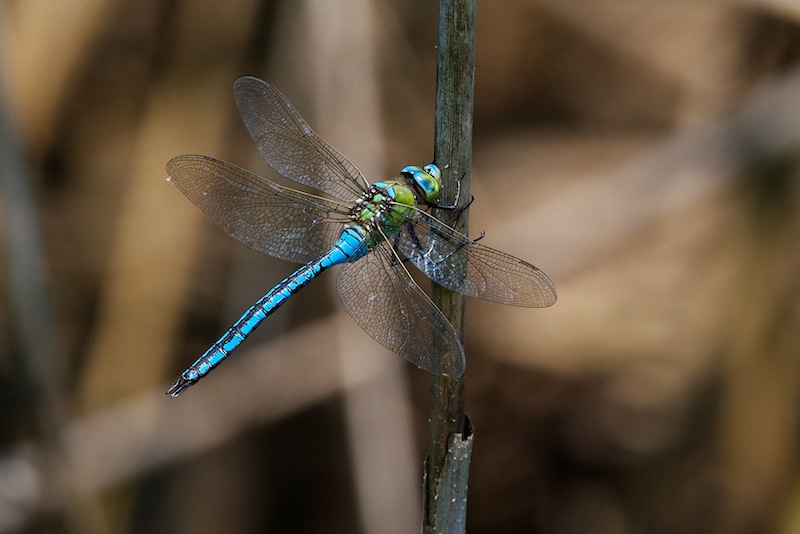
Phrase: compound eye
[433,170]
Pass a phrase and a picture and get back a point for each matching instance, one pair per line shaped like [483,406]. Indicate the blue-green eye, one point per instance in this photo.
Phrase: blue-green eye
[434,171]
[427,181]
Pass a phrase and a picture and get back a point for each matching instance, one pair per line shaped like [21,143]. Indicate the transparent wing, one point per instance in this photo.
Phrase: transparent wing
[290,146]
[454,261]
[386,302]
[263,215]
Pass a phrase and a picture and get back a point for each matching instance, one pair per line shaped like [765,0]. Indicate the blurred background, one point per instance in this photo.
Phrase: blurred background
[643,154]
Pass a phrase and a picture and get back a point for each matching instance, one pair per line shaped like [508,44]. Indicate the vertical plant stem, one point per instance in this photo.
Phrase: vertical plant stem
[450,445]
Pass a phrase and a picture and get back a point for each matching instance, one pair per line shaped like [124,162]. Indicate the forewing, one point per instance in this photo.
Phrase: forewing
[453,261]
[386,302]
[263,215]
[290,146]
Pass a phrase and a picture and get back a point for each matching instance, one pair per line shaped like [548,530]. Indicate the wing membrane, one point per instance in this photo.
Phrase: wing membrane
[265,216]
[386,302]
[290,146]
[454,261]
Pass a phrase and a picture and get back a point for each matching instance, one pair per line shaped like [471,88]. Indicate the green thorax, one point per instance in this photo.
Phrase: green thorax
[383,210]
[388,205]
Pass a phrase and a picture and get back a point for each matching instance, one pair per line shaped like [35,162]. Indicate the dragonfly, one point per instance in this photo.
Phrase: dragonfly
[372,230]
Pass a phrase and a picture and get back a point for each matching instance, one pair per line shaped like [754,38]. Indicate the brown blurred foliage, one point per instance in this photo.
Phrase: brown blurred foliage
[643,154]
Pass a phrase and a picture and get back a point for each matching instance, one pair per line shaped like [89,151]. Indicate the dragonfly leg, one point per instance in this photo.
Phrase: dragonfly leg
[454,205]
[462,210]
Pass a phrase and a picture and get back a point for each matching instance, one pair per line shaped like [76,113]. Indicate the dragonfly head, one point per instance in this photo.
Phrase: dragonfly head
[427,181]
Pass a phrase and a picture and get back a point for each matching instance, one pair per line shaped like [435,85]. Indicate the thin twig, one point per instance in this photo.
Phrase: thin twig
[450,444]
